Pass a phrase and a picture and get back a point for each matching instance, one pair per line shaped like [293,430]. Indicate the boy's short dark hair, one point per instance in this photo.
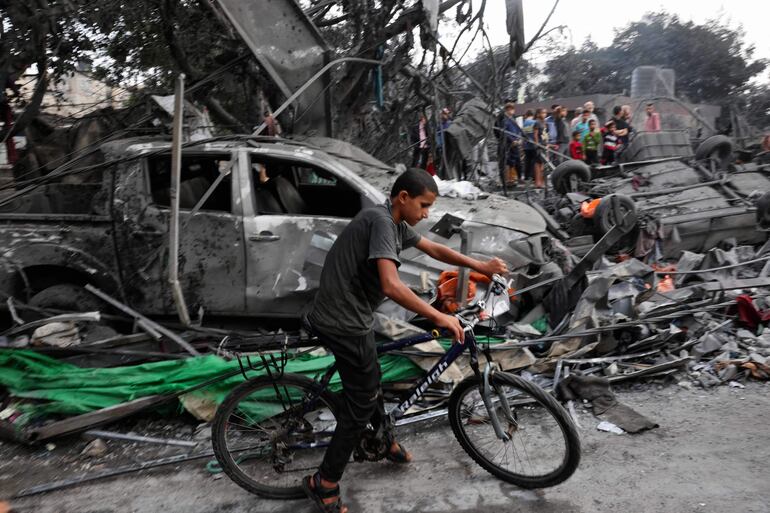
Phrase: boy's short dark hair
[529,113]
[592,120]
[555,106]
[616,110]
[575,132]
[415,181]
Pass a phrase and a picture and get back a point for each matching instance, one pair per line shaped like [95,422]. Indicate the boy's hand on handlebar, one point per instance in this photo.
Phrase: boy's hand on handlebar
[453,325]
[494,266]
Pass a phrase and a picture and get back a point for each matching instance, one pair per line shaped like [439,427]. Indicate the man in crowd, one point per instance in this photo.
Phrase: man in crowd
[419,138]
[652,122]
[561,137]
[622,128]
[445,120]
[512,144]
[589,106]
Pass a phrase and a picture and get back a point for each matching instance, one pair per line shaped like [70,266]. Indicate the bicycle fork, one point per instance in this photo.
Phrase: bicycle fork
[487,397]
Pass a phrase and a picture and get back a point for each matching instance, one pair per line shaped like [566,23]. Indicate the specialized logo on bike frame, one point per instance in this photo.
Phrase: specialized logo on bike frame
[432,377]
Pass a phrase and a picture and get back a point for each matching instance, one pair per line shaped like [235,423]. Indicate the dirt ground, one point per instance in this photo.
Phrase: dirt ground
[709,454]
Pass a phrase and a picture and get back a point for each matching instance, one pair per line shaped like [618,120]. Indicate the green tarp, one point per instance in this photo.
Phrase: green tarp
[70,390]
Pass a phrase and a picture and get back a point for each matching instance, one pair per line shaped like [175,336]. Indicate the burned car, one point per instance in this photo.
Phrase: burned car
[248,246]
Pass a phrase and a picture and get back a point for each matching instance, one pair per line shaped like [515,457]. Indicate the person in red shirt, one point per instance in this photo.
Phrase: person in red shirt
[576,147]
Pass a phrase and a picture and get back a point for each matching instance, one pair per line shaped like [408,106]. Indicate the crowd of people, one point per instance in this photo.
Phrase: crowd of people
[541,135]
[526,143]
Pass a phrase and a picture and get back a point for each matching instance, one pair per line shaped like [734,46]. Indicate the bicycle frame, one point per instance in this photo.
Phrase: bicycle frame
[431,376]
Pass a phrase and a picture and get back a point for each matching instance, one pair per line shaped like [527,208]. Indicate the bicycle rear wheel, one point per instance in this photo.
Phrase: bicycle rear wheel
[544,447]
[269,433]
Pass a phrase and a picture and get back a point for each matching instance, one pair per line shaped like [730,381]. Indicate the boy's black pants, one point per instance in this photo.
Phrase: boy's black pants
[362,403]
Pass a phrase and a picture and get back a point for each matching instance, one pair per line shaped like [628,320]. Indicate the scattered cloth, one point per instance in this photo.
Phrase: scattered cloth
[749,314]
[605,405]
[462,189]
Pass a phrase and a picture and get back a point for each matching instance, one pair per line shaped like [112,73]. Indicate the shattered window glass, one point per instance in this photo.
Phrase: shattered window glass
[198,173]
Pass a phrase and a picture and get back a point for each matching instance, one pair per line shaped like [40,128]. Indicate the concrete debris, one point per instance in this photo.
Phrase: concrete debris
[95,449]
[609,427]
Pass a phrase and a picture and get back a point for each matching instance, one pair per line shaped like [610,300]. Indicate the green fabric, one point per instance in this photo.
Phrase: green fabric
[592,140]
[541,324]
[71,390]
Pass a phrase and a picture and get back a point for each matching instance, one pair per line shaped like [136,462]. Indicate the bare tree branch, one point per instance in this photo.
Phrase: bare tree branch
[542,27]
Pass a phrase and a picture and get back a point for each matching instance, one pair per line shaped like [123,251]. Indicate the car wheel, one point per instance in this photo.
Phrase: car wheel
[69,297]
[568,176]
[717,147]
[604,216]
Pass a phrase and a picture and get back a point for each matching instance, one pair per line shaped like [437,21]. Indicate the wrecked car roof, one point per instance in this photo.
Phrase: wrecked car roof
[496,210]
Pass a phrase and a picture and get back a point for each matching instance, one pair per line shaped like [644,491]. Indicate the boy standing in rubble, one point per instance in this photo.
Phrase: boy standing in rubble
[360,271]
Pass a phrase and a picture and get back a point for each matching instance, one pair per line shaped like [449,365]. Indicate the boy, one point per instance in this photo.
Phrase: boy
[592,141]
[576,147]
[361,269]
[583,124]
[611,142]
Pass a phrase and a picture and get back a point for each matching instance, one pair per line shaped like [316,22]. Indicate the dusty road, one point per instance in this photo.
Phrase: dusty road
[710,454]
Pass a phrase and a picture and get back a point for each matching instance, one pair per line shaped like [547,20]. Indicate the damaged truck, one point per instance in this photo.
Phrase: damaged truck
[257,216]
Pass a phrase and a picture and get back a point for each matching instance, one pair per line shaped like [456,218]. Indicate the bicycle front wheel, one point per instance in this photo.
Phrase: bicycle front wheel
[269,433]
[543,447]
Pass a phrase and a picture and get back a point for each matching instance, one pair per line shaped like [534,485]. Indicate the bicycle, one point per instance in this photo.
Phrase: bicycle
[272,430]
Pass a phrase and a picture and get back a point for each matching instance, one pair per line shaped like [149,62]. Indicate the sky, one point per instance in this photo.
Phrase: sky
[605,16]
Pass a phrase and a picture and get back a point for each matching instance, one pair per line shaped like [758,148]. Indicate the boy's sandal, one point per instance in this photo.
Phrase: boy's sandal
[320,496]
[401,455]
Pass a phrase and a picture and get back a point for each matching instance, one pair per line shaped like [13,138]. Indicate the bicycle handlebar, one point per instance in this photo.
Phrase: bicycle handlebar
[497,287]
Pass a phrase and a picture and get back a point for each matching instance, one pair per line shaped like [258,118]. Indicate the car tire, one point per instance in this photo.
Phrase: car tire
[717,147]
[69,297]
[604,216]
[568,175]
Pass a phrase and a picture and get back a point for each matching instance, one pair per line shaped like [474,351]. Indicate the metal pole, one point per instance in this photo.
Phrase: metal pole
[176,166]
[466,239]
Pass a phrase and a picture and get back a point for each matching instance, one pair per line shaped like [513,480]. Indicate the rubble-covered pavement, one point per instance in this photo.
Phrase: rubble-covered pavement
[709,454]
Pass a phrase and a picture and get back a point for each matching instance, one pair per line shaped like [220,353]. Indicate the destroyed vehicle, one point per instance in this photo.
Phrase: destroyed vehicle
[246,248]
[682,204]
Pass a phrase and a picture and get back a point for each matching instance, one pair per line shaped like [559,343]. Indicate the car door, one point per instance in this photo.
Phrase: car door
[211,256]
[289,228]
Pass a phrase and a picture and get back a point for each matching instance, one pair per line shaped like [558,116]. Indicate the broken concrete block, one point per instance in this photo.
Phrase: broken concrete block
[609,427]
[95,449]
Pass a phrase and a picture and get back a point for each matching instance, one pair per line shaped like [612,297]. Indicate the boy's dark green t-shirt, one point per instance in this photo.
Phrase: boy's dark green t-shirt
[350,288]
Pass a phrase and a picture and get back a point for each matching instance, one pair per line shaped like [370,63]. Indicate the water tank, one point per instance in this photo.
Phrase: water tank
[651,81]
